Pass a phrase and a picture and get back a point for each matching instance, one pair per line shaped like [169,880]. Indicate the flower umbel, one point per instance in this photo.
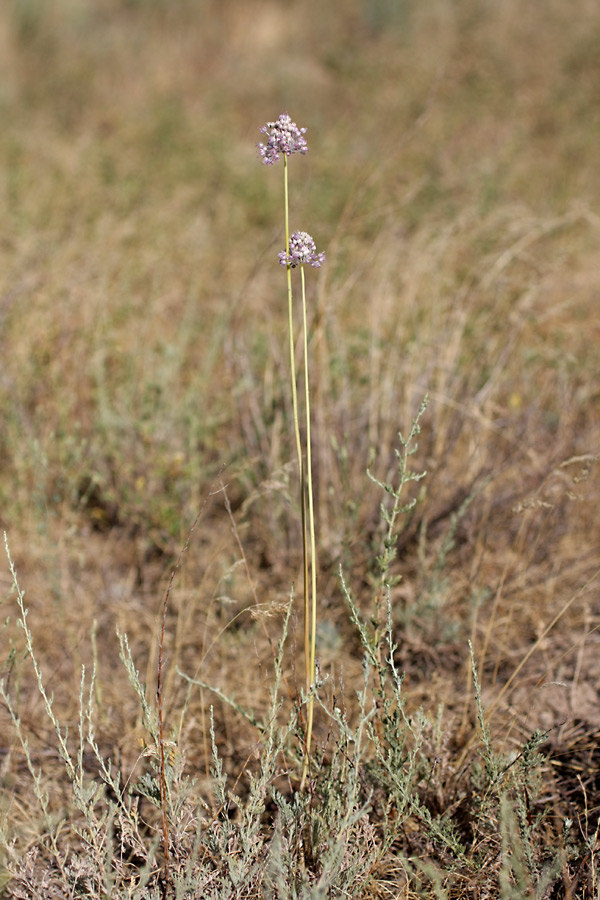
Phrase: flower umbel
[302,252]
[283,137]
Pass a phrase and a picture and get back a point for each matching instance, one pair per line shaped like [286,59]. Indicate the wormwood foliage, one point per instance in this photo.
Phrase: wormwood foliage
[385,808]
[393,506]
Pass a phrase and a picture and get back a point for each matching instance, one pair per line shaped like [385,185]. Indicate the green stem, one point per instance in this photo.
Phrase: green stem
[307,637]
[313,552]
[291,323]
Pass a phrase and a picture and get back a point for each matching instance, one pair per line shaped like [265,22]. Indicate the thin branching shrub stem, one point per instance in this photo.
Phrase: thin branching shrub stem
[390,511]
[160,714]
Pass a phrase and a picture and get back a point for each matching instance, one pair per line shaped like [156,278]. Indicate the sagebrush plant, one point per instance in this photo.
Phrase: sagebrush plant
[284,138]
[378,775]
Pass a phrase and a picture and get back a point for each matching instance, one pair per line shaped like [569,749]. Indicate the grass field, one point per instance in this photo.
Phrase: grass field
[453,181]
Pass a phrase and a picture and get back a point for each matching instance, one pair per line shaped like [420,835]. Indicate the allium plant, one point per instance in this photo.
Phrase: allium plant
[283,139]
[302,250]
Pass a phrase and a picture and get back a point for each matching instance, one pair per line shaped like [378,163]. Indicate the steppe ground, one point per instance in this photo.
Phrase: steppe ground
[453,180]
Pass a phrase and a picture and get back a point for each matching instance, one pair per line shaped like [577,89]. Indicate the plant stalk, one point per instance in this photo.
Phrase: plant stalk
[308,653]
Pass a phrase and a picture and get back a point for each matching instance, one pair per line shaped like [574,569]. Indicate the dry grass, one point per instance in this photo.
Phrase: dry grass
[453,180]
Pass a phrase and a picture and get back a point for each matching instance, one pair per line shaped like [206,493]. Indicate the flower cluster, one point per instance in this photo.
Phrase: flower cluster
[302,251]
[283,137]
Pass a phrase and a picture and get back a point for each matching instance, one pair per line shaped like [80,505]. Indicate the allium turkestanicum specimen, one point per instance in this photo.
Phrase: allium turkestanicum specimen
[283,138]
[302,251]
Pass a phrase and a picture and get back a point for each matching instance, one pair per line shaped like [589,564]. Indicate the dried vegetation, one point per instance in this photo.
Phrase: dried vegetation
[453,180]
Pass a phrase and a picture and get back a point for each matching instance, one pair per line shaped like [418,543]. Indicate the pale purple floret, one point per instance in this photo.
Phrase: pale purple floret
[283,137]
[302,252]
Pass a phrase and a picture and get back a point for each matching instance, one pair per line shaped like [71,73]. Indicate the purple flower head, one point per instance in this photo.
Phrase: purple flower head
[302,252]
[283,137]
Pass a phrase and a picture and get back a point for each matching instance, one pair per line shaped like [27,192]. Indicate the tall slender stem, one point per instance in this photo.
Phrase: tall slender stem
[291,325]
[313,552]
[307,633]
